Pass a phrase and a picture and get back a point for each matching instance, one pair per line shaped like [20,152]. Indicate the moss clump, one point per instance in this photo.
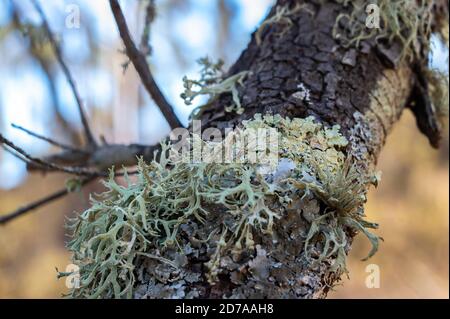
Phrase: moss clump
[406,21]
[143,219]
[213,83]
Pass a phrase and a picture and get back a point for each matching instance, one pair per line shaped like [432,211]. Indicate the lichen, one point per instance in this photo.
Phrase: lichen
[145,221]
[408,22]
[282,16]
[213,83]
[344,194]
[303,93]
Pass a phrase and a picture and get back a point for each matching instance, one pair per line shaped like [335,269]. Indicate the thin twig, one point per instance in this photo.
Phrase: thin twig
[79,171]
[47,165]
[140,64]
[48,140]
[14,153]
[90,138]
[25,209]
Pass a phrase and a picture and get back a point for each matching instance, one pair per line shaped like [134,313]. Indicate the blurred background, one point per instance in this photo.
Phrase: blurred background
[411,204]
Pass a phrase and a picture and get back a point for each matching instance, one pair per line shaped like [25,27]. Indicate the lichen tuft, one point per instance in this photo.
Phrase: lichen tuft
[147,219]
[212,82]
[409,22]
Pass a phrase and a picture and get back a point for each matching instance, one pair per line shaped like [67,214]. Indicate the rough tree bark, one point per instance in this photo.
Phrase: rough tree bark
[364,90]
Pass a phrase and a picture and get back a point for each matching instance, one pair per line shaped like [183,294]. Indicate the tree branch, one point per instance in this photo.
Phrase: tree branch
[47,165]
[48,140]
[4,219]
[141,66]
[90,138]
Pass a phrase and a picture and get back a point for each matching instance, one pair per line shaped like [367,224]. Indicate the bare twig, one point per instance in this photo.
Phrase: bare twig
[90,138]
[47,165]
[140,63]
[48,140]
[14,153]
[102,158]
[41,202]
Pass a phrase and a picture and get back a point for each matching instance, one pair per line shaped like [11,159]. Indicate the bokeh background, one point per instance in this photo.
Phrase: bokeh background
[411,204]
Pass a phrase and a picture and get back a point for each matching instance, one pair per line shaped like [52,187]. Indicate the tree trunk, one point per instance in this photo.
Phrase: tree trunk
[364,90]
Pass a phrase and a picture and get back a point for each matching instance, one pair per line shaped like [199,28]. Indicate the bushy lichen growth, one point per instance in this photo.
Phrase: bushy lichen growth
[283,16]
[213,83]
[406,21]
[344,194]
[322,170]
[143,219]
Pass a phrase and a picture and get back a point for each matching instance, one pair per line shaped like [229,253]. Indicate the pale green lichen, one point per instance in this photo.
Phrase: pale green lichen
[344,194]
[325,172]
[143,219]
[213,83]
[400,20]
[126,221]
[283,16]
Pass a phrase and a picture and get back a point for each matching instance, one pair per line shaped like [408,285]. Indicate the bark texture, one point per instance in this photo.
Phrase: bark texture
[361,89]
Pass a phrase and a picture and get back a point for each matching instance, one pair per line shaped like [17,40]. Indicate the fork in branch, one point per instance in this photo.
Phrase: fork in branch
[92,160]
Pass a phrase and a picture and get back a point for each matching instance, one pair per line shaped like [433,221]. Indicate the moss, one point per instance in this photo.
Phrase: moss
[143,219]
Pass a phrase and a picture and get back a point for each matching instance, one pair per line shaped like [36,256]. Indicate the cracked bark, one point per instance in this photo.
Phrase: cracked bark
[359,89]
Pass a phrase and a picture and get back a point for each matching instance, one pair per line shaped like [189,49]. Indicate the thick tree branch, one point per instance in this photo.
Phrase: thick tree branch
[141,66]
[353,87]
